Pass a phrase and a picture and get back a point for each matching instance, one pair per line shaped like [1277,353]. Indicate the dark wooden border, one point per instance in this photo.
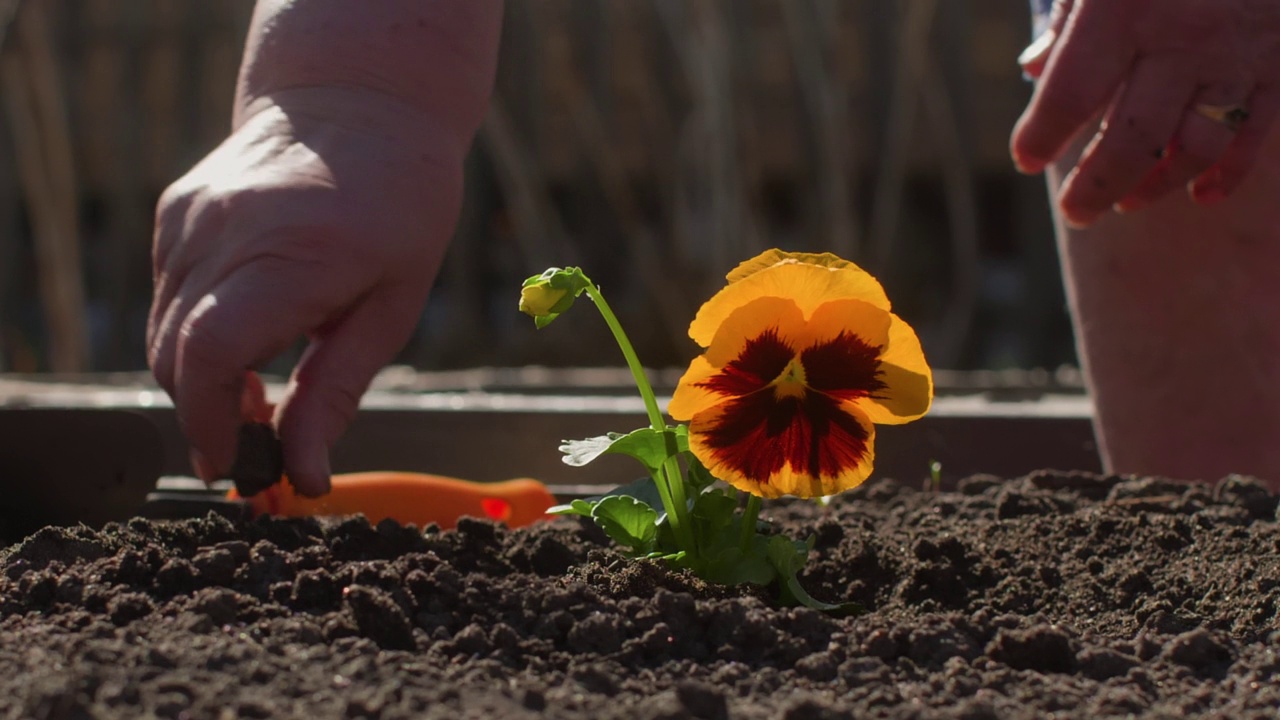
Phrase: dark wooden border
[1005,439]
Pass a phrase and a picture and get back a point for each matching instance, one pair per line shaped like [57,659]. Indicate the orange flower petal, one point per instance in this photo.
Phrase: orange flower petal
[771,446]
[908,392]
[807,285]
[691,396]
[772,257]
[728,366]
[867,322]
[751,320]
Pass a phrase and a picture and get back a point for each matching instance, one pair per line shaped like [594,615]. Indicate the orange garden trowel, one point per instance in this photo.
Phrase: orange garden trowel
[260,488]
[65,466]
[406,497]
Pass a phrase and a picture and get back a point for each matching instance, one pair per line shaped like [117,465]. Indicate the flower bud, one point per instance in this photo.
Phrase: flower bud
[543,297]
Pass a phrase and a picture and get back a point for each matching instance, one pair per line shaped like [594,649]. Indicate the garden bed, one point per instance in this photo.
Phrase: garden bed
[1050,595]
[449,423]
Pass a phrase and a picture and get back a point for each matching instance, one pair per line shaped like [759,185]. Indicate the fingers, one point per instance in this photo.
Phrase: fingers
[170,218]
[252,316]
[1220,180]
[1092,54]
[180,248]
[1197,145]
[1132,141]
[1152,68]
[253,400]
[331,377]
[175,298]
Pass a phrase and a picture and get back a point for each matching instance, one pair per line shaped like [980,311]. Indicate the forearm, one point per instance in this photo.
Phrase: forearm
[434,57]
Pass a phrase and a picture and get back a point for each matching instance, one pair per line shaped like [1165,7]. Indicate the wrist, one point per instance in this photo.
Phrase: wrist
[432,60]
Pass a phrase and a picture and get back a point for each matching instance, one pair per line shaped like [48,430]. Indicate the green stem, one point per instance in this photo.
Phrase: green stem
[749,516]
[671,483]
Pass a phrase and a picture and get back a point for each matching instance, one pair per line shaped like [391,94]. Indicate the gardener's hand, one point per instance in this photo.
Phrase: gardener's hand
[300,223]
[1186,90]
[324,215]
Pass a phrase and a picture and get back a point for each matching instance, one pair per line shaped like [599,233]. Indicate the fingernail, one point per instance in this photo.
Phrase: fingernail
[1079,221]
[1207,189]
[1034,57]
[1208,194]
[315,483]
[1128,205]
[1027,166]
[202,467]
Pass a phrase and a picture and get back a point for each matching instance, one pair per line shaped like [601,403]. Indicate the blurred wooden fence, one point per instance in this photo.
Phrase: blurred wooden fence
[654,142]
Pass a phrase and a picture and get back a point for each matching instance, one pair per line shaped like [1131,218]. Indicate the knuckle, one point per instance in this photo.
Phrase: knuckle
[181,215]
[173,202]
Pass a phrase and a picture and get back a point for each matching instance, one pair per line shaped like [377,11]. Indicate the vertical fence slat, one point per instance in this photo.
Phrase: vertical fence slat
[32,89]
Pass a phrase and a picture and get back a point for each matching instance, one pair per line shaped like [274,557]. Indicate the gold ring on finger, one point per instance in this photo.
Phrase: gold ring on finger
[1232,116]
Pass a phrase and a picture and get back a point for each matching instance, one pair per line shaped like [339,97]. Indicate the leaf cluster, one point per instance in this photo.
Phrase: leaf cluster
[731,546]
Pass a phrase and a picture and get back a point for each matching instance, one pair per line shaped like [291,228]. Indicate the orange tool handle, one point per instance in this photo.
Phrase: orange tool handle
[416,498]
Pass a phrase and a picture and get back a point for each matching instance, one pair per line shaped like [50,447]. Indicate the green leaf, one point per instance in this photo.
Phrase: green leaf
[580,452]
[577,507]
[716,505]
[643,489]
[699,476]
[650,447]
[731,566]
[722,556]
[788,557]
[628,521]
[712,514]
[676,558]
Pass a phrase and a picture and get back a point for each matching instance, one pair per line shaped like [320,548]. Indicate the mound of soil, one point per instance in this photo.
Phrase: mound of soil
[1053,595]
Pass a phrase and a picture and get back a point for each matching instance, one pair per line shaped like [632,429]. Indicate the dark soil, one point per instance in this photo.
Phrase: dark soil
[1063,596]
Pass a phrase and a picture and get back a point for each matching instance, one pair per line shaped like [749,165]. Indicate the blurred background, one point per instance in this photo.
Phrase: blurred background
[655,143]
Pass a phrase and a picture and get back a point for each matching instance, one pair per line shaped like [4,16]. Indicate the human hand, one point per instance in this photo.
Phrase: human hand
[326,213]
[1186,91]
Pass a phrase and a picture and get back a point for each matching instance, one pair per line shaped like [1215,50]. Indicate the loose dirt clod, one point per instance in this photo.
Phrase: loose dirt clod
[1077,595]
[259,462]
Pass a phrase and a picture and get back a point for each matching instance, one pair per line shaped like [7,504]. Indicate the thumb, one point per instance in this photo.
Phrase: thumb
[332,376]
[1046,29]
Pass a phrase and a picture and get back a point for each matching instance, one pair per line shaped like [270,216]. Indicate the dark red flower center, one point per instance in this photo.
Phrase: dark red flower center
[758,433]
